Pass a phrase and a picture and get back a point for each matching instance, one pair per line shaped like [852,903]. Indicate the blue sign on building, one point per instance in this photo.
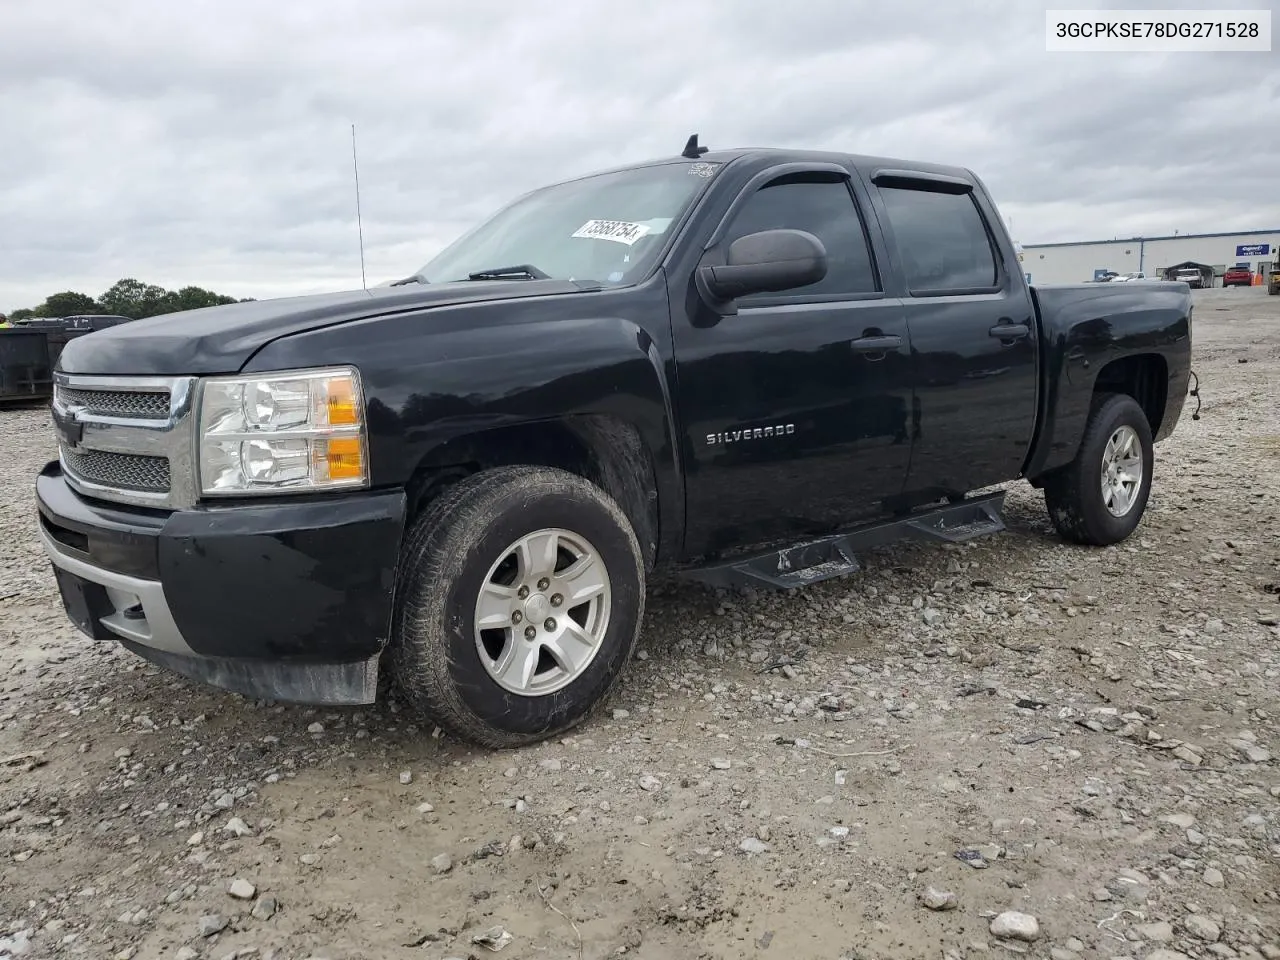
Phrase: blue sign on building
[1253,249]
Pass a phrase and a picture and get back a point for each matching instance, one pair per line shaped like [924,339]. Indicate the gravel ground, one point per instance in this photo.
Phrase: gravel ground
[1013,747]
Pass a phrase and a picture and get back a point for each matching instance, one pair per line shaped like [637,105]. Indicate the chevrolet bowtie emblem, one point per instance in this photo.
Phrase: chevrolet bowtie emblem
[68,425]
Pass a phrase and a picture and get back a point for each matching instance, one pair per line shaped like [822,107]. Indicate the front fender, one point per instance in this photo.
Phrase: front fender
[435,377]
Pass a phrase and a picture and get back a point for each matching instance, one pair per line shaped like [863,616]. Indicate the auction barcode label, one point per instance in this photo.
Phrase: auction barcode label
[1158,31]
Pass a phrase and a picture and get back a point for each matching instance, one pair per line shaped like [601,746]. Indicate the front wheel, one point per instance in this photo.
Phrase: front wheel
[519,601]
[1099,498]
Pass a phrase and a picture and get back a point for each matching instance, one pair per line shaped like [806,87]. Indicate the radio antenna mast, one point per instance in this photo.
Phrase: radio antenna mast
[355,166]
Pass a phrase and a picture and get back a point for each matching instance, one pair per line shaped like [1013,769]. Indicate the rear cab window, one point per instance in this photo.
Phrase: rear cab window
[942,240]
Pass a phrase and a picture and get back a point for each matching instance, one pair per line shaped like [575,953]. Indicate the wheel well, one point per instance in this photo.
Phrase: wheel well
[604,450]
[1144,377]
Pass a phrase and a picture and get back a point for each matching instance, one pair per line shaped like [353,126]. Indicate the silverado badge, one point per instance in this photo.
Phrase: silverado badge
[750,433]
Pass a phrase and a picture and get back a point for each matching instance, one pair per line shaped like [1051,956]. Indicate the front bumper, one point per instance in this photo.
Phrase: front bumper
[287,600]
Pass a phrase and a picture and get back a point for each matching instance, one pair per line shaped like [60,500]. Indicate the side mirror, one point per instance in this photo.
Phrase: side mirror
[764,262]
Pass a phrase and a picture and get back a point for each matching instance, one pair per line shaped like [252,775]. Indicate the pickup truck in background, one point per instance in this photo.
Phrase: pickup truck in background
[743,366]
[1192,277]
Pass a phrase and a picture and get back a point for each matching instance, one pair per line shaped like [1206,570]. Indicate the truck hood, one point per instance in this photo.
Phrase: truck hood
[222,339]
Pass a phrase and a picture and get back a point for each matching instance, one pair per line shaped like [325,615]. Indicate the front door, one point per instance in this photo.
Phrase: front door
[796,410]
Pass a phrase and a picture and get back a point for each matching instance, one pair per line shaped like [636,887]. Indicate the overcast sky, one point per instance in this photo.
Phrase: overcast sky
[208,143]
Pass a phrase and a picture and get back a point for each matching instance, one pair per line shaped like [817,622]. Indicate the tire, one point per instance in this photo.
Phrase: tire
[1074,494]
[450,671]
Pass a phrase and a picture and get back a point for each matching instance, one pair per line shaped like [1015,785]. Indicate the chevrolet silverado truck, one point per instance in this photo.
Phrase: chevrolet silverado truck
[743,367]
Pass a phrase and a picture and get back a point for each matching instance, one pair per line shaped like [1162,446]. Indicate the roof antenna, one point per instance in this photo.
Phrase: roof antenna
[692,150]
[355,165]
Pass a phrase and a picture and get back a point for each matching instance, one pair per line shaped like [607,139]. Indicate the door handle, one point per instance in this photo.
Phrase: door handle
[1009,332]
[879,344]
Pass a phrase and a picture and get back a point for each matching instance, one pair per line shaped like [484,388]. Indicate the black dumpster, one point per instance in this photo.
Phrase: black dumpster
[25,367]
[29,352]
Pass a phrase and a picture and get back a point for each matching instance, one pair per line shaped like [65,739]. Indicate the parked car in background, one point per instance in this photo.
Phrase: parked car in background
[1237,276]
[1127,277]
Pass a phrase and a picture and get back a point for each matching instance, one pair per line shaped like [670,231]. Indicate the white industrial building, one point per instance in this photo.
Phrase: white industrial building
[1048,263]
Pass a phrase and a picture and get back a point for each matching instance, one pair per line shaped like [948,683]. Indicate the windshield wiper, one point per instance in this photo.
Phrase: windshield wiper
[414,279]
[521,271]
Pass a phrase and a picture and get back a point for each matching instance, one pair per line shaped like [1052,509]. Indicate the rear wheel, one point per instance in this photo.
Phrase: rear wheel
[1100,497]
[519,601]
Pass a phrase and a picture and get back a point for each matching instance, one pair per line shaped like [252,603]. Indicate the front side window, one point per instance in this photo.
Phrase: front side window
[942,240]
[825,208]
[606,228]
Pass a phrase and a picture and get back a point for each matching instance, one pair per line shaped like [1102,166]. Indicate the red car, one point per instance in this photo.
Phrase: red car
[1237,277]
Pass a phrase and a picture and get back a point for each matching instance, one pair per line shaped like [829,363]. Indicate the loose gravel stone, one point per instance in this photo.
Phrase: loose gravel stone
[1012,925]
[1159,932]
[242,889]
[1202,928]
[441,863]
[1251,751]
[939,900]
[212,924]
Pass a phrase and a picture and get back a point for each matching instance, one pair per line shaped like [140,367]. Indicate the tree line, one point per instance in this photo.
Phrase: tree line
[126,298]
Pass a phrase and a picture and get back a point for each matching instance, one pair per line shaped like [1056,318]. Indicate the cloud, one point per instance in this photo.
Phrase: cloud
[209,142]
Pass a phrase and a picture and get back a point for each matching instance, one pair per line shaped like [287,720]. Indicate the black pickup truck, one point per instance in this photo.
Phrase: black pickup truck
[741,366]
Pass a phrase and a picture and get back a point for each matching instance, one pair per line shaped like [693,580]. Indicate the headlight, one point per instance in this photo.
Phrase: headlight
[283,433]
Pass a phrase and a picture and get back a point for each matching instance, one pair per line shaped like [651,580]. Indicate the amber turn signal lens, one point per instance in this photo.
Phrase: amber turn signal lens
[340,402]
[340,458]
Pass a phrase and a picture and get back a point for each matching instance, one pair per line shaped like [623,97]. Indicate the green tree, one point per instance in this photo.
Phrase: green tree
[193,298]
[127,298]
[67,304]
[133,298]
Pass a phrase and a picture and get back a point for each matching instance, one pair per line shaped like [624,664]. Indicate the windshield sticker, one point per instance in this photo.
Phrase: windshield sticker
[620,231]
[702,169]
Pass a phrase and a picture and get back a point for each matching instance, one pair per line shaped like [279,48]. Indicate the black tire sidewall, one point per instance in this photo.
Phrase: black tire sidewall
[1116,412]
[517,516]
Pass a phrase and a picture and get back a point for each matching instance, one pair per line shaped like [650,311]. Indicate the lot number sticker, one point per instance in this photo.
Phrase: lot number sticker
[620,231]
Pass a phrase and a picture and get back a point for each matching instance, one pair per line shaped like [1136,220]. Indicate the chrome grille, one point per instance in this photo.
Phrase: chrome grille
[127,439]
[124,470]
[132,404]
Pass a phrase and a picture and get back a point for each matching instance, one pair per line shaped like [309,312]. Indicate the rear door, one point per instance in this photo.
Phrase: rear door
[973,333]
[796,410]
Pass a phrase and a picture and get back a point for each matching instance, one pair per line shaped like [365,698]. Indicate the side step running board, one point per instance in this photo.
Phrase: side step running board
[805,563]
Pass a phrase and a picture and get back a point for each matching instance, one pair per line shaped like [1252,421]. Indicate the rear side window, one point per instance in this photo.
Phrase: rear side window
[942,240]
[824,208]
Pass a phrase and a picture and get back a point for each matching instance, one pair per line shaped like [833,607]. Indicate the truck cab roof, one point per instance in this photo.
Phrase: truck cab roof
[771,156]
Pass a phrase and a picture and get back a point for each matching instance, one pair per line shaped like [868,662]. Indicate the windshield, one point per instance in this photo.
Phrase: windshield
[605,228]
